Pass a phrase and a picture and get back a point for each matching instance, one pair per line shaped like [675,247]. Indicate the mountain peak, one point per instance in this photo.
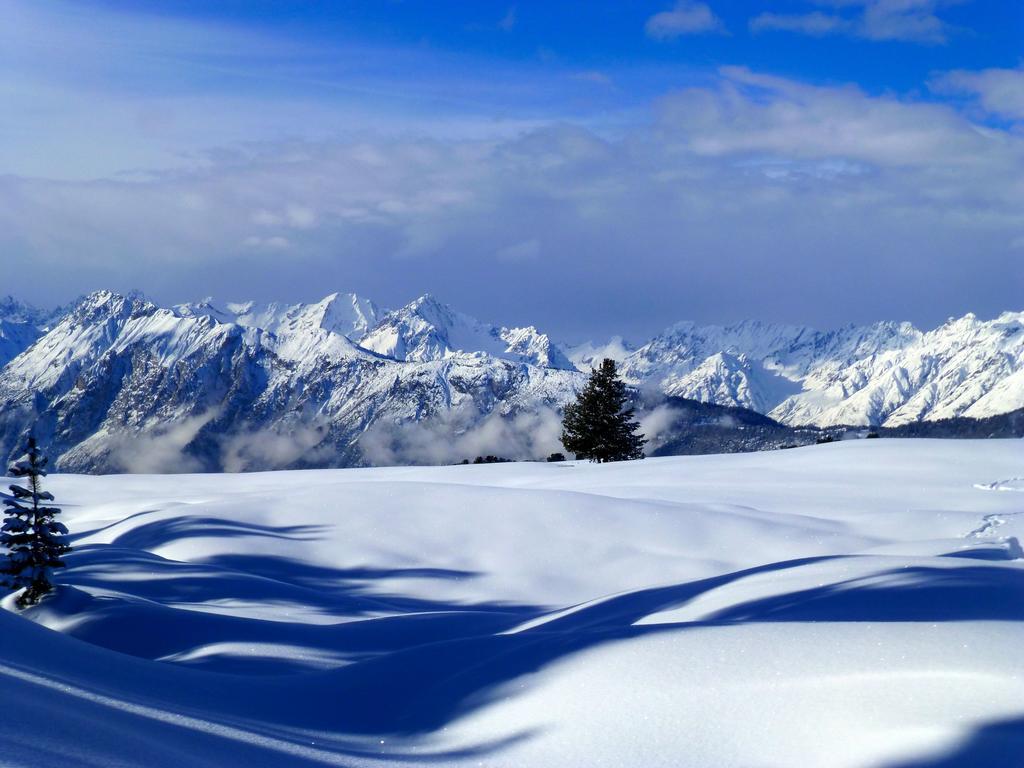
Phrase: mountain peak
[588,355]
[344,314]
[427,329]
[435,312]
[113,304]
[16,311]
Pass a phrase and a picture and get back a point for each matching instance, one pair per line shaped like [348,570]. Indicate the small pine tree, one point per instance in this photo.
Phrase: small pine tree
[34,540]
[599,426]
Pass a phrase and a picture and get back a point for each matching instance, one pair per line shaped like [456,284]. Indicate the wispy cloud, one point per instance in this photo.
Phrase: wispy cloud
[687,17]
[149,93]
[816,24]
[157,451]
[593,76]
[904,20]
[998,92]
[509,20]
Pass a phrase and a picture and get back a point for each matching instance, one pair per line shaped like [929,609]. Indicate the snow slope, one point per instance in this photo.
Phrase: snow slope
[20,325]
[853,604]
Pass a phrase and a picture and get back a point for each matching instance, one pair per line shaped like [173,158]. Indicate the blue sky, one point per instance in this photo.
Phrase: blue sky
[598,168]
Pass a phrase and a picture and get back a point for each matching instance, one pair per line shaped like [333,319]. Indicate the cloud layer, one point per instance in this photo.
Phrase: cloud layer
[751,196]
[584,196]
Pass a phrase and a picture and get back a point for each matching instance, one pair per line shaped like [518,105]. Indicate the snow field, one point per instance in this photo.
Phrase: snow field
[853,604]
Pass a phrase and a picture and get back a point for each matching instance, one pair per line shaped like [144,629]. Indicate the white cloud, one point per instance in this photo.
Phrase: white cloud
[158,451]
[832,203]
[816,24]
[300,217]
[880,20]
[75,106]
[455,435]
[687,17]
[998,91]
[654,425]
[273,448]
[755,113]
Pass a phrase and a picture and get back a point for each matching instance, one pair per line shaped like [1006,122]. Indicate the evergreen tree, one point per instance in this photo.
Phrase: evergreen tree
[599,426]
[34,540]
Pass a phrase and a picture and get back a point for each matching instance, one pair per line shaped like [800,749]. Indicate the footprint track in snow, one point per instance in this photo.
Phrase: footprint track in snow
[990,524]
[1010,484]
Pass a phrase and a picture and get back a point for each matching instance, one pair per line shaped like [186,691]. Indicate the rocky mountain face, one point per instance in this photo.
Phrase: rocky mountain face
[20,325]
[883,374]
[120,384]
[117,383]
[430,330]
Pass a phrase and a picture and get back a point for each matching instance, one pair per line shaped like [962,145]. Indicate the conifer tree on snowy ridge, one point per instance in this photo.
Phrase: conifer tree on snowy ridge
[599,426]
[34,540]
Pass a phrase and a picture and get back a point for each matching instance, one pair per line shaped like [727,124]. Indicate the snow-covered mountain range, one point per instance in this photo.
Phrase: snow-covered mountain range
[885,374]
[115,382]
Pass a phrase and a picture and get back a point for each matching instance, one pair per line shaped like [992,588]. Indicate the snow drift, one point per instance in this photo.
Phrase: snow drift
[850,605]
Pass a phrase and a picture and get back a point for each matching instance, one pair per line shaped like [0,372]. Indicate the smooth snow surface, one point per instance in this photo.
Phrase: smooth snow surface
[847,605]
